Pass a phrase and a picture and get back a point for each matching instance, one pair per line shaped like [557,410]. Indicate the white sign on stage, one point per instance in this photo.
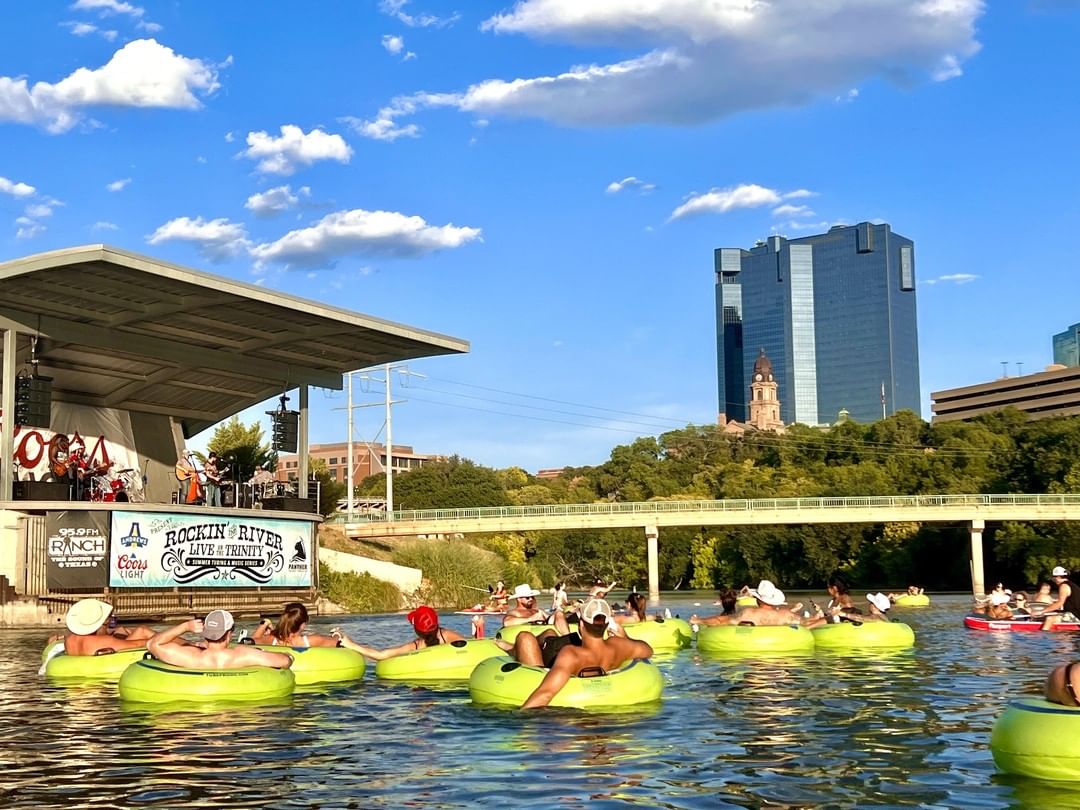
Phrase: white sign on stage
[167,550]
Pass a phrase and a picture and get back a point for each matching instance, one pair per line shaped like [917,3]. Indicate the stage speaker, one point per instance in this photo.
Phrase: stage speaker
[228,497]
[291,504]
[33,401]
[41,491]
[285,429]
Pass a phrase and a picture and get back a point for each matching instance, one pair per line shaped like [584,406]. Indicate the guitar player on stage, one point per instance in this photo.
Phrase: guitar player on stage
[213,476]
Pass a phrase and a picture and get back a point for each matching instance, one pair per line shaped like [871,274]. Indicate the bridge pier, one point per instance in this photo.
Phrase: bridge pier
[978,583]
[652,535]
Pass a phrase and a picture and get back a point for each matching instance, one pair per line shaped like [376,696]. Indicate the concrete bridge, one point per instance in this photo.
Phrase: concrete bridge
[651,516]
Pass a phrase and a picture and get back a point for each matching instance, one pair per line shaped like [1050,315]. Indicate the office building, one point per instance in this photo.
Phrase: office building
[834,312]
[370,459]
[1067,347]
[1054,392]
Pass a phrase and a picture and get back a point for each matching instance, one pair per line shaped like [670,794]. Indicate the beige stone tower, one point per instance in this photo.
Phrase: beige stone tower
[764,406]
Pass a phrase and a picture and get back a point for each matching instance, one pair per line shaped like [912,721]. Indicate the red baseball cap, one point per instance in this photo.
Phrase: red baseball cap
[424,619]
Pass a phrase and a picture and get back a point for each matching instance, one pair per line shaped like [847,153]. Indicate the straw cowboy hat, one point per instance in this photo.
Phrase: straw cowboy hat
[87,615]
[881,601]
[768,593]
[524,591]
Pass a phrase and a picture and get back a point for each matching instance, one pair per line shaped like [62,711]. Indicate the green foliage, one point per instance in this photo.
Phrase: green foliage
[452,484]
[1001,452]
[454,570]
[358,593]
[242,447]
[330,491]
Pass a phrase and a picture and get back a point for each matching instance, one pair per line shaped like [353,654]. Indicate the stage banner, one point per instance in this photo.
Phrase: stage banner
[77,550]
[102,435]
[157,550]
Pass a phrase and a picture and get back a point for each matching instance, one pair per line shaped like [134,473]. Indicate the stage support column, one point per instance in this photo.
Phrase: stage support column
[7,402]
[978,582]
[302,446]
[652,535]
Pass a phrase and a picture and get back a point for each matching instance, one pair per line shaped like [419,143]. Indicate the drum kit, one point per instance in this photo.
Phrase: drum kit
[120,486]
[98,483]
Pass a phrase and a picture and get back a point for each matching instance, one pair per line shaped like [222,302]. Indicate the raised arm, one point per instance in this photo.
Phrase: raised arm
[180,655]
[264,632]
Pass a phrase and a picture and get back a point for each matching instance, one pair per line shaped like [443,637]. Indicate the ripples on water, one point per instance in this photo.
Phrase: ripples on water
[906,728]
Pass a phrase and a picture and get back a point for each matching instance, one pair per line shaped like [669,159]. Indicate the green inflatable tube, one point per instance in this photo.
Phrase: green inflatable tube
[105,667]
[746,601]
[913,600]
[1037,738]
[503,681]
[742,639]
[152,681]
[508,634]
[662,634]
[55,648]
[850,636]
[322,664]
[443,662]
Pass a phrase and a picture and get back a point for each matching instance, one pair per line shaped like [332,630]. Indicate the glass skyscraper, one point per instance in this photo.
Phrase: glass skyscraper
[1067,346]
[835,313]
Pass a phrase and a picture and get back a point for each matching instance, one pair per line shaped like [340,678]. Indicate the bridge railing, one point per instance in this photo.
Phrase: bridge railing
[734,505]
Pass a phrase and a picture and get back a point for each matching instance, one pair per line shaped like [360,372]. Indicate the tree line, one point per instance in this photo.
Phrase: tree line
[1002,452]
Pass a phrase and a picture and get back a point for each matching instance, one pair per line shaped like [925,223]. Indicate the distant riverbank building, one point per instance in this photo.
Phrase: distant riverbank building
[835,314]
[1067,347]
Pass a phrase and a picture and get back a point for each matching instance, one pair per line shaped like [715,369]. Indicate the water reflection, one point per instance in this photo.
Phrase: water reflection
[852,729]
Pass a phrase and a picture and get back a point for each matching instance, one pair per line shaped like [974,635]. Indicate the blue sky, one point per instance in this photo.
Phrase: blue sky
[462,167]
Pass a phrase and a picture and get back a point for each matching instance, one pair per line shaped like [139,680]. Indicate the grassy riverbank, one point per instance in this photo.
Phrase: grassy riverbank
[359,593]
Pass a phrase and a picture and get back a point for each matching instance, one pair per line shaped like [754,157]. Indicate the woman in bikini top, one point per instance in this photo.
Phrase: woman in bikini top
[290,630]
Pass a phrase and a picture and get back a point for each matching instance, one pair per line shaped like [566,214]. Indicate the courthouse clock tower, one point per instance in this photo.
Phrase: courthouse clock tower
[764,405]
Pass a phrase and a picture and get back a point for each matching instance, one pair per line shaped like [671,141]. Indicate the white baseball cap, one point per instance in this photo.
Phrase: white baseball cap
[1059,571]
[596,609]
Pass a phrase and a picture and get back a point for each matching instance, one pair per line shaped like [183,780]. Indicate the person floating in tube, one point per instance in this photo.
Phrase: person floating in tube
[425,622]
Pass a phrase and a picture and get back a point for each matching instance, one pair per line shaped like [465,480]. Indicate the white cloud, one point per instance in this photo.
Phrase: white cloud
[102,225]
[28,228]
[616,186]
[216,239]
[229,137]
[143,73]
[799,194]
[953,278]
[274,201]
[848,97]
[149,27]
[393,44]
[81,29]
[118,185]
[788,210]
[108,7]
[39,210]
[395,8]
[700,61]
[360,232]
[15,189]
[294,149]
[722,200]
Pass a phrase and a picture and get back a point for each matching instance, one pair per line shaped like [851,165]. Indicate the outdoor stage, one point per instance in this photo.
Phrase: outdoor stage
[125,357]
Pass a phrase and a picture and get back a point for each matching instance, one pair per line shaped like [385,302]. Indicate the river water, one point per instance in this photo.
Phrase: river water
[856,730]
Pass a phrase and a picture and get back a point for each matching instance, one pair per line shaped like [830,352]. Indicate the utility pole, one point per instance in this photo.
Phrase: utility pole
[388,403]
[389,450]
[352,458]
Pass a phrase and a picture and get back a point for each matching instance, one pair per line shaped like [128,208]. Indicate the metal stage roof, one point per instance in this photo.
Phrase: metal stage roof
[122,330]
